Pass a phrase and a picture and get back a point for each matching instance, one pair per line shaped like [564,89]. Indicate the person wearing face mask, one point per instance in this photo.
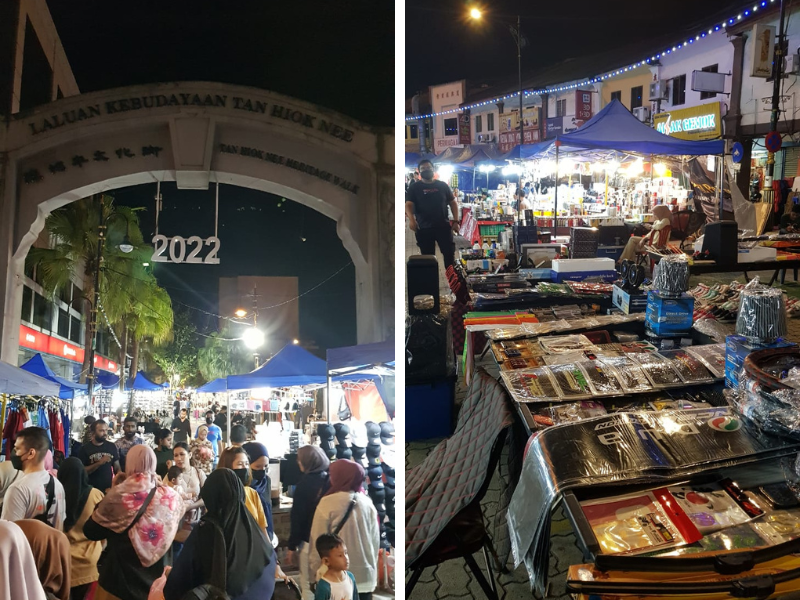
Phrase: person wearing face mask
[100,457]
[214,436]
[128,440]
[260,481]
[37,494]
[309,489]
[427,201]
[236,460]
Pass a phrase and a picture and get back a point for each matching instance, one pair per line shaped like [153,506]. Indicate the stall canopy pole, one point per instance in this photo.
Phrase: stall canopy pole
[720,182]
[228,420]
[328,399]
[555,202]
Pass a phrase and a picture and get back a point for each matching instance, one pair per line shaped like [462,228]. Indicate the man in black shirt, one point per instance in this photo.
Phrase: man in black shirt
[221,421]
[181,428]
[426,209]
[100,457]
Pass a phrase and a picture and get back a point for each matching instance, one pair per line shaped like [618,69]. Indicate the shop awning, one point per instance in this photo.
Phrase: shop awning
[212,387]
[67,390]
[141,383]
[365,355]
[14,380]
[468,156]
[292,366]
[615,128]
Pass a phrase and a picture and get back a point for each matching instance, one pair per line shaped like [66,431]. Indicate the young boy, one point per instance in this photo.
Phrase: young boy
[338,583]
[173,476]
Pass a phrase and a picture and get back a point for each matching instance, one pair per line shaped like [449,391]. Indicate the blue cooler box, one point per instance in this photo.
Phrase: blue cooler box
[429,409]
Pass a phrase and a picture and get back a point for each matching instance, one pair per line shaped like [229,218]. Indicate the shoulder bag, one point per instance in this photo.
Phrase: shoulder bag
[347,513]
[50,490]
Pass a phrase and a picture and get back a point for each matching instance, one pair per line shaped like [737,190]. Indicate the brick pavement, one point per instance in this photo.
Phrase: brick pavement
[452,580]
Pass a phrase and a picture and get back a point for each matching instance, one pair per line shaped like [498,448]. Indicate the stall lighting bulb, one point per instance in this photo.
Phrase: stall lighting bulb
[660,169]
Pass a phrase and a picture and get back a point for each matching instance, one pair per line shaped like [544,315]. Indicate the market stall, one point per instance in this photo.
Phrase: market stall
[67,389]
[370,370]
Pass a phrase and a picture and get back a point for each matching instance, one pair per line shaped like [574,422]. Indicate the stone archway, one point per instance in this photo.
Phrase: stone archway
[195,134]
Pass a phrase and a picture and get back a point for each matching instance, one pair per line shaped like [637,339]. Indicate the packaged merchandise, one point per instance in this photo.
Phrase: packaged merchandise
[576,411]
[688,367]
[658,369]
[571,381]
[531,385]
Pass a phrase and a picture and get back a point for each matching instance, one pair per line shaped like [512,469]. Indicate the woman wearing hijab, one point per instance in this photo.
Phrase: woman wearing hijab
[19,579]
[360,529]
[139,518]
[312,485]
[50,550]
[662,217]
[260,481]
[81,500]
[236,460]
[251,564]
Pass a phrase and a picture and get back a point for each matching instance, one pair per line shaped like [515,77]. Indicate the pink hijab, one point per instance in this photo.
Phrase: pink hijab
[345,476]
[154,532]
[48,464]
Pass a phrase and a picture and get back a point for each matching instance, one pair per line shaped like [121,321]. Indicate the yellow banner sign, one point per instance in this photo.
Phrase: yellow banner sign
[695,123]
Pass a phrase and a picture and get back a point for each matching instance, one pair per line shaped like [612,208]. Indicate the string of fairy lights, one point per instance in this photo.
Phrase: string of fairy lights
[717,27]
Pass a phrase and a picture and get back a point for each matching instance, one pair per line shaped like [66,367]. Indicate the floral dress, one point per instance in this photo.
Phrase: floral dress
[202,453]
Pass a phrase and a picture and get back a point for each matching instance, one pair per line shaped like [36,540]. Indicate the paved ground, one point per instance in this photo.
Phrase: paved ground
[452,580]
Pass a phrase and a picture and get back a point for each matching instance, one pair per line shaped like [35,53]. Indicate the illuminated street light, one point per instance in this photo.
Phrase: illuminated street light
[295,341]
[253,338]
[475,13]
[240,312]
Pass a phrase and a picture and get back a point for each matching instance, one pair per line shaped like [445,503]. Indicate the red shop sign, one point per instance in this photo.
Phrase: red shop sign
[30,338]
[41,342]
[64,349]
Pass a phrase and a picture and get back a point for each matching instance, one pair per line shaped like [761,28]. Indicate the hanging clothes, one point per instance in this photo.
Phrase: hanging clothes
[42,420]
[67,425]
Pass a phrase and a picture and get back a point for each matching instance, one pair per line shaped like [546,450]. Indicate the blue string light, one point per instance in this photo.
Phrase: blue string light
[603,76]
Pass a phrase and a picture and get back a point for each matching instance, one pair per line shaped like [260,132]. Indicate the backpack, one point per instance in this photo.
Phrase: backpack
[214,589]
[50,490]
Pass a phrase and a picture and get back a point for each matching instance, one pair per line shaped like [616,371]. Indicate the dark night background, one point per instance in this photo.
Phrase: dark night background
[339,55]
[443,45]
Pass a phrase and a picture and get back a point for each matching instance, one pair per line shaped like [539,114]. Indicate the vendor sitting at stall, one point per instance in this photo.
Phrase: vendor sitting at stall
[662,217]
[790,222]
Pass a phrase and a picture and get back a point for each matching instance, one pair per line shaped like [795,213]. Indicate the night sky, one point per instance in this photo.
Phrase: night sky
[336,54]
[443,45]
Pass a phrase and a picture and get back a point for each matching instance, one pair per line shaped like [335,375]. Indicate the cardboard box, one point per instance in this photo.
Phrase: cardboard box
[628,302]
[669,316]
[606,276]
[736,350]
[572,265]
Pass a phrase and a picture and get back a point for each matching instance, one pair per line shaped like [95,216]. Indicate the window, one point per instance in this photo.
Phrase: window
[636,96]
[616,95]
[707,95]
[75,330]
[413,131]
[63,323]
[678,90]
[27,303]
[42,312]
[561,107]
[478,124]
[451,126]
[490,122]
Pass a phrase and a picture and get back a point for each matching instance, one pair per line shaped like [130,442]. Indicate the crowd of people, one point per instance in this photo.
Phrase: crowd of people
[119,519]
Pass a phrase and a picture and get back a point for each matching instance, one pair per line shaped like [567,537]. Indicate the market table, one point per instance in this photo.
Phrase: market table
[786,260]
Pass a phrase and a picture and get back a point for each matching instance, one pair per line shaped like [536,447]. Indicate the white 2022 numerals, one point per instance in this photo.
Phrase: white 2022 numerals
[175,249]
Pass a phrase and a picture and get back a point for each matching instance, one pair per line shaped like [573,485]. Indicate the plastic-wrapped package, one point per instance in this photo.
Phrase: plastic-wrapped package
[513,364]
[713,328]
[566,343]
[537,329]
[576,411]
[507,332]
[712,356]
[629,372]
[658,369]
[671,276]
[688,367]
[762,313]
[571,381]
[603,379]
[531,385]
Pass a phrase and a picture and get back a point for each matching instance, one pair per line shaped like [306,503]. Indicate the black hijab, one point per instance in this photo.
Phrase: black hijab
[72,475]
[248,551]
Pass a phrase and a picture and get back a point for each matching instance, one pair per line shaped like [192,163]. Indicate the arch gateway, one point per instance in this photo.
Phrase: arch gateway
[197,134]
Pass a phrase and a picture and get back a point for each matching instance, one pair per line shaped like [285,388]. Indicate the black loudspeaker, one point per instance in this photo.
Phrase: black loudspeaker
[721,242]
[422,279]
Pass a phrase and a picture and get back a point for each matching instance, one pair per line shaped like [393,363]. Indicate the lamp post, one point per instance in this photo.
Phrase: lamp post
[126,246]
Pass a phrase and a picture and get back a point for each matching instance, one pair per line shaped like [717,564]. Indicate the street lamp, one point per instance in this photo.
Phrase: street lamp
[476,15]
[253,338]
[127,247]
[240,312]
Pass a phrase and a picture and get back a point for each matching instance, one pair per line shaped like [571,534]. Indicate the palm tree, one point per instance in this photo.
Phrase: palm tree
[125,286]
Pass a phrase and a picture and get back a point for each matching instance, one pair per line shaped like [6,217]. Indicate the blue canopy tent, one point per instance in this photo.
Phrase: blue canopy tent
[107,380]
[14,380]
[413,158]
[67,389]
[141,383]
[292,366]
[367,361]
[214,387]
[615,129]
